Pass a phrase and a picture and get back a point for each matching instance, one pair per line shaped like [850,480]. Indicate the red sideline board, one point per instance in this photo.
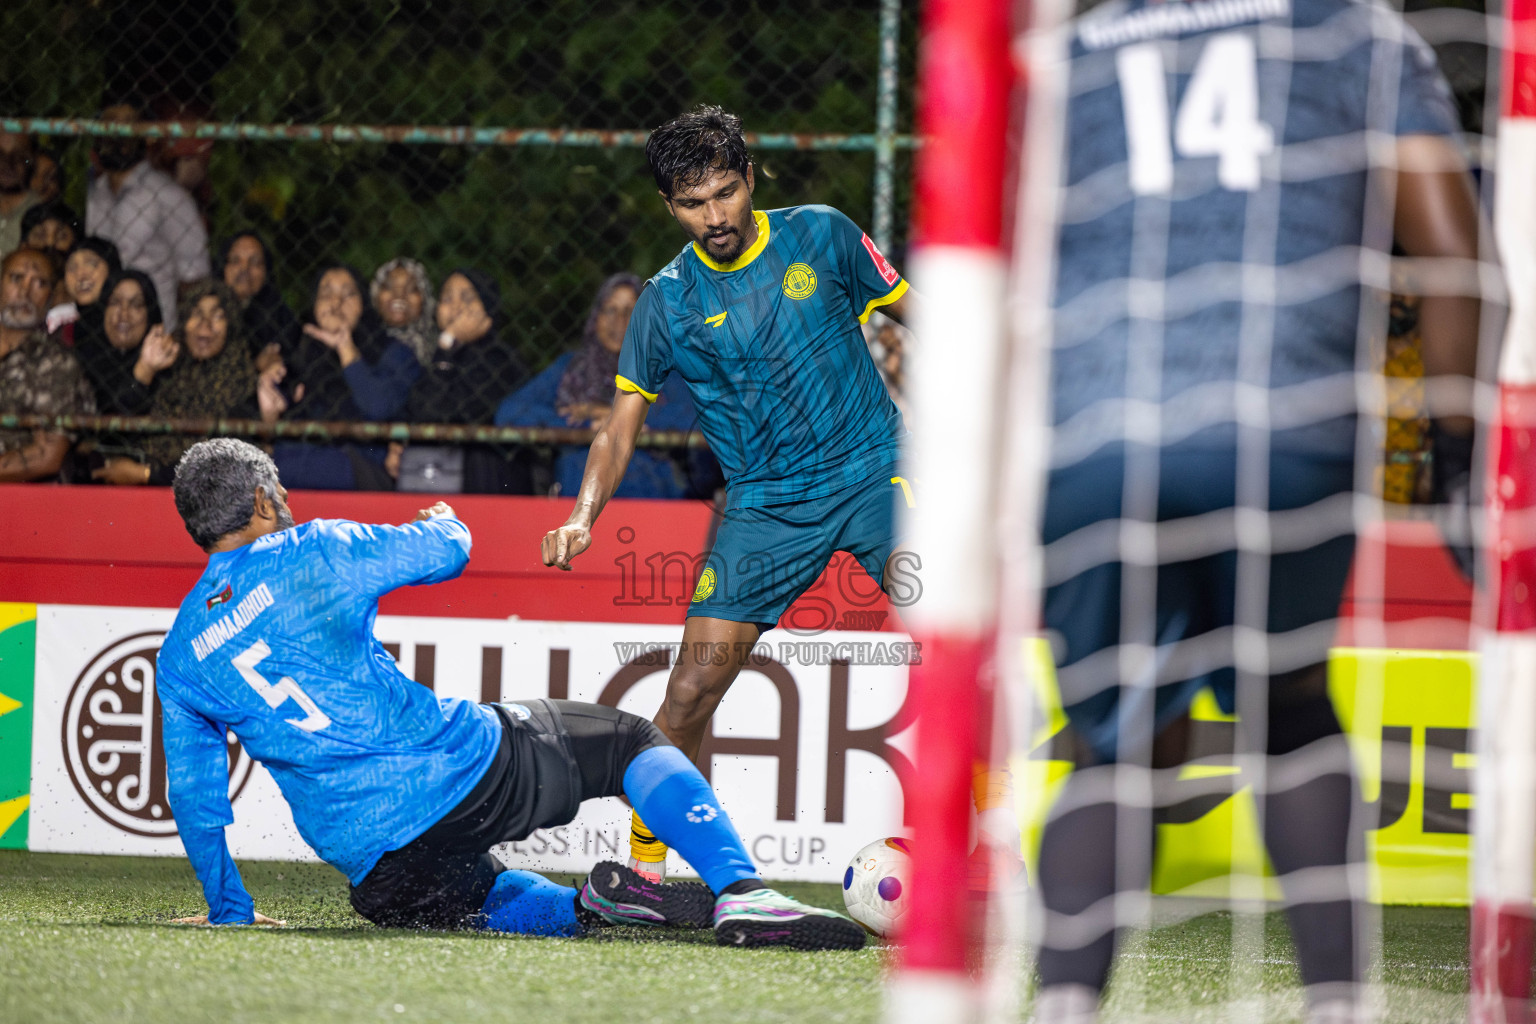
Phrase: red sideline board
[126,547]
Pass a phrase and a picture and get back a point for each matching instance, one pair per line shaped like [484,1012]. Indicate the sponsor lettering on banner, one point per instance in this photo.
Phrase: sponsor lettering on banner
[807,753]
[798,752]
[112,743]
[98,765]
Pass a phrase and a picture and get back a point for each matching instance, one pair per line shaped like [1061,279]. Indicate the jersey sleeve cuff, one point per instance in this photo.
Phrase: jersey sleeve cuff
[625,384]
[884,300]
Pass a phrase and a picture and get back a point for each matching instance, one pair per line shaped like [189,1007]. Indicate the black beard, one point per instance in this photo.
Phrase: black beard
[730,255]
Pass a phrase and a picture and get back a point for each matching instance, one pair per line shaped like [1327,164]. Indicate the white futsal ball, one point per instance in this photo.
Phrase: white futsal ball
[877,884]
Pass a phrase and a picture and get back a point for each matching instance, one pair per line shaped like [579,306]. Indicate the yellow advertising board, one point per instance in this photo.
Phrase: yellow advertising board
[1410,717]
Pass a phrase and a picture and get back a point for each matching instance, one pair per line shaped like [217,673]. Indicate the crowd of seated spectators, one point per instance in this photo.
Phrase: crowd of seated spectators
[124,313]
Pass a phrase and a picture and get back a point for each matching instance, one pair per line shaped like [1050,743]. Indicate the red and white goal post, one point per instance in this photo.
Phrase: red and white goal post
[1504,815]
[963,273]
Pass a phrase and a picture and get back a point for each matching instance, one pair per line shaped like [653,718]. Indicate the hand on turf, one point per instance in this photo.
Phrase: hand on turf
[561,545]
[201,920]
[442,508]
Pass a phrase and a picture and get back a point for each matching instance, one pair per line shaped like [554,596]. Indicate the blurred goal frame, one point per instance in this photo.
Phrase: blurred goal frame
[1504,811]
[971,71]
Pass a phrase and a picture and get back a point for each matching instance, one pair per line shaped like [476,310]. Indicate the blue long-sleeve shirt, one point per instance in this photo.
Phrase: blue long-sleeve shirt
[650,473]
[380,390]
[275,644]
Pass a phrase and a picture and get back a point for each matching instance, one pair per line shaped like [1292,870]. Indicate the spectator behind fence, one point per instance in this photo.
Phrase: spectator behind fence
[86,270]
[47,181]
[211,377]
[38,376]
[17,154]
[344,367]
[472,370]
[54,226]
[577,390]
[127,358]
[402,293]
[270,326]
[152,219]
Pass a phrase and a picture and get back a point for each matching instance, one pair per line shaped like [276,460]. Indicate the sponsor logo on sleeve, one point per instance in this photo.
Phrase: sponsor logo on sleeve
[887,272]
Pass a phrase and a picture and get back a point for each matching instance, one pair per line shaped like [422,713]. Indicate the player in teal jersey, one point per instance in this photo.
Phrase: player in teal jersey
[759,314]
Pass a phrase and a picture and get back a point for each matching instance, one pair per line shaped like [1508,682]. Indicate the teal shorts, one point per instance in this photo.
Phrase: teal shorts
[765,558]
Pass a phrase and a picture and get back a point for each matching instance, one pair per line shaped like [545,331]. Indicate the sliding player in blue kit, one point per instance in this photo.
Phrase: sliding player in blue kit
[759,314]
[400,790]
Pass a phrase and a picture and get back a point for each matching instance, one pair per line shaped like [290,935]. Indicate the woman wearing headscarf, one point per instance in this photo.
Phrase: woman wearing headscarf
[212,377]
[86,270]
[577,390]
[345,367]
[472,370]
[271,328]
[585,393]
[402,295]
[130,354]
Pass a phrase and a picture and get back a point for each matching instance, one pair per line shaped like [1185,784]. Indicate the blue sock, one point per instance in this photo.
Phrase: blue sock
[531,904]
[681,810]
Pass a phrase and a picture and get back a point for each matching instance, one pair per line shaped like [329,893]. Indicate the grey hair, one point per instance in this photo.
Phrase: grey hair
[216,485]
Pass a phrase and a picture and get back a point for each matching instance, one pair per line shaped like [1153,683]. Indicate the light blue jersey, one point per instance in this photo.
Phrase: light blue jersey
[275,644]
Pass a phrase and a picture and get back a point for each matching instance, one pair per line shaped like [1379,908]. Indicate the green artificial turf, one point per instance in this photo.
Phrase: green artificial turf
[87,939]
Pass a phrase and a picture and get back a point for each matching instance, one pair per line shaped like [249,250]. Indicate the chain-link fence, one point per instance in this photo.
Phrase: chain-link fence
[506,139]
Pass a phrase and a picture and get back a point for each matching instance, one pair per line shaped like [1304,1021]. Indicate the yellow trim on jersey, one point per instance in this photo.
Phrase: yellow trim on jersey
[885,300]
[747,257]
[625,384]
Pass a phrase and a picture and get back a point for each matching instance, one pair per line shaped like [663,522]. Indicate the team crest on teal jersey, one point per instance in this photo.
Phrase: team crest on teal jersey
[799,281]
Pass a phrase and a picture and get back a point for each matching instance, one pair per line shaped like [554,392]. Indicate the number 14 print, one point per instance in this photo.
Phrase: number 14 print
[1219,115]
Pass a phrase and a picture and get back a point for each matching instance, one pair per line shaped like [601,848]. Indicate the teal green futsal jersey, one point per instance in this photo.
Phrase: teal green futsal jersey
[770,347]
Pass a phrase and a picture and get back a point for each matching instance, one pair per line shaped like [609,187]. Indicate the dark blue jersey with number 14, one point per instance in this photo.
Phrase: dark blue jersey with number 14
[770,348]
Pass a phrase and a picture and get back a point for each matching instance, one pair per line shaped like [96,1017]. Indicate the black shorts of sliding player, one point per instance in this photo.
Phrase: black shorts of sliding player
[552,755]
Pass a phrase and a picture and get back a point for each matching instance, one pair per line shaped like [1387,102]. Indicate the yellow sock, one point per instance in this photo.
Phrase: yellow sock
[990,787]
[644,846]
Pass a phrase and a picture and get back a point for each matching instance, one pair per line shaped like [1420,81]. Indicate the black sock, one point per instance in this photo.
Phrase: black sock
[1309,826]
[1078,870]
[742,886]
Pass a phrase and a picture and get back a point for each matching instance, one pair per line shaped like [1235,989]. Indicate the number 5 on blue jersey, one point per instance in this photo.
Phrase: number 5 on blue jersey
[245,663]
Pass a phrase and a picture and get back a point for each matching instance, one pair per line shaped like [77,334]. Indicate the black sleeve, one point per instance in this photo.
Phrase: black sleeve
[124,394]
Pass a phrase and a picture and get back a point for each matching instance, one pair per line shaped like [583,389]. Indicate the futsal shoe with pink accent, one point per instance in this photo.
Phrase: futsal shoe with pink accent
[768,918]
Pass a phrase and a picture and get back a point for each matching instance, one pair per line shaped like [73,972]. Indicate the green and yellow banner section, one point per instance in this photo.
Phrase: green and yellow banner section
[18,650]
[1409,715]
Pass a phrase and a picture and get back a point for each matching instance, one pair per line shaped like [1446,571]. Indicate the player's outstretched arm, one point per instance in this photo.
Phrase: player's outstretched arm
[607,460]
[197,777]
[902,309]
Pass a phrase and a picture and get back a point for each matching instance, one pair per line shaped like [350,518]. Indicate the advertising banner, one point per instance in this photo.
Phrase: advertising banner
[798,753]
[18,634]
[809,750]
